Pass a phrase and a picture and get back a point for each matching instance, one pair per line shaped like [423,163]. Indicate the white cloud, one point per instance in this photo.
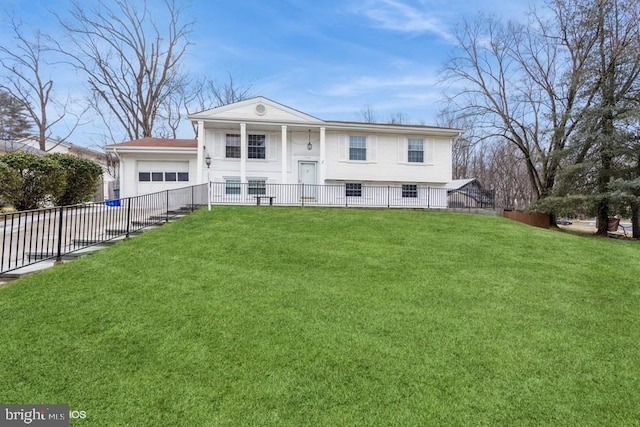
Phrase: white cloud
[368,84]
[398,16]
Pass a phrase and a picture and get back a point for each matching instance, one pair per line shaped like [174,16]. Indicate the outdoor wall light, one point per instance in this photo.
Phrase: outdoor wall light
[207,160]
[309,146]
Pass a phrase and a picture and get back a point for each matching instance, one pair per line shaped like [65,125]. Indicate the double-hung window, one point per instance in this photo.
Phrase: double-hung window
[415,152]
[357,147]
[233,146]
[232,186]
[257,147]
[257,187]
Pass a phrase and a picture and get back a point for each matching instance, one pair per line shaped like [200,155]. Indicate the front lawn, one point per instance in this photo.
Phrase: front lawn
[305,316]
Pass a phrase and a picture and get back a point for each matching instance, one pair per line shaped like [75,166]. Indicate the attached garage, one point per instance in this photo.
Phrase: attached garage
[150,165]
[156,176]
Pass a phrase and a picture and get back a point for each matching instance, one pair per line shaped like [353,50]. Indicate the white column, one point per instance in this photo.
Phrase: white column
[283,179]
[200,154]
[244,152]
[323,156]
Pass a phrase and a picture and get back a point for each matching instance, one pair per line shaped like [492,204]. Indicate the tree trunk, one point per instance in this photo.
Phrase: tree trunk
[635,220]
[603,217]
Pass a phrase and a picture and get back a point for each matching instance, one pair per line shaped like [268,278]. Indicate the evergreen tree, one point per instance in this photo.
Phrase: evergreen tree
[13,118]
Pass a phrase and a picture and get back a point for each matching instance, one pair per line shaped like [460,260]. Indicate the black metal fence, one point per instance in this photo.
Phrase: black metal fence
[350,195]
[28,237]
[49,234]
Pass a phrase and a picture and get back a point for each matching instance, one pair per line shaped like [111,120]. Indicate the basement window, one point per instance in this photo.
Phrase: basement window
[353,189]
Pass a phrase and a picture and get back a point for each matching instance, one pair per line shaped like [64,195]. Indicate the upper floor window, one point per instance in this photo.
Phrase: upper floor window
[415,153]
[257,147]
[357,147]
[233,146]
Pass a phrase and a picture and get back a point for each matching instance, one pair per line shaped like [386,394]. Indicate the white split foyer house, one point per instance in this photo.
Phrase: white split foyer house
[257,144]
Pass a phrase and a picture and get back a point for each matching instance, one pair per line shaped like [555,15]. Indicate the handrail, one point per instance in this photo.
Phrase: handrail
[52,233]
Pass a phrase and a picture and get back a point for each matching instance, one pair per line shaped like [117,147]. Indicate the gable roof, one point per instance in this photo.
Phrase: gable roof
[263,111]
[7,146]
[258,109]
[457,184]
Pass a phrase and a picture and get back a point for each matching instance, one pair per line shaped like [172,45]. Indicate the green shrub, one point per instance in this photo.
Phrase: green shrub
[82,179]
[35,180]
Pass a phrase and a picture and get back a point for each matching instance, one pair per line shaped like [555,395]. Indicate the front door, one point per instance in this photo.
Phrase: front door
[307,176]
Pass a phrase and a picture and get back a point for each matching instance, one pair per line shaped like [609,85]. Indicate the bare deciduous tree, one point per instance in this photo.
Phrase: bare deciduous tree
[203,94]
[130,57]
[522,84]
[367,114]
[26,78]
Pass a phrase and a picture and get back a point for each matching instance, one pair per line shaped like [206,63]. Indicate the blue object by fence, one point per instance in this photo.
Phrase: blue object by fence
[112,202]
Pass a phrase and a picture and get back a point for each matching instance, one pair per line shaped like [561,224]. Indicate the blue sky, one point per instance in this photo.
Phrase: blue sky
[327,58]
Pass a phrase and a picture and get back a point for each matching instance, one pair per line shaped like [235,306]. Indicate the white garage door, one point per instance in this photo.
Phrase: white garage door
[159,176]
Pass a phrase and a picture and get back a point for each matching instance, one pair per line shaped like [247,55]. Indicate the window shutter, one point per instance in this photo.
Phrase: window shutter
[402,150]
[218,147]
[272,147]
[428,151]
[343,148]
[372,147]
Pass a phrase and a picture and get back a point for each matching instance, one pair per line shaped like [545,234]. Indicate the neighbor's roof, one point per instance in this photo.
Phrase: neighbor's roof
[158,142]
[7,146]
[457,184]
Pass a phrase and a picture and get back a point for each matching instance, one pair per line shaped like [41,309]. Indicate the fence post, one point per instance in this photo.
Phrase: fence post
[166,217]
[302,198]
[59,254]
[128,216]
[192,201]
[388,196]
[428,197]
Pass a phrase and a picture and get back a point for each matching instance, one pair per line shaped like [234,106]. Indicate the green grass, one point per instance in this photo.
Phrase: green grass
[328,317]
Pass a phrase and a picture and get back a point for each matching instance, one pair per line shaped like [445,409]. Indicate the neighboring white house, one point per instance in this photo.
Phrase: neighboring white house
[105,189]
[257,142]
